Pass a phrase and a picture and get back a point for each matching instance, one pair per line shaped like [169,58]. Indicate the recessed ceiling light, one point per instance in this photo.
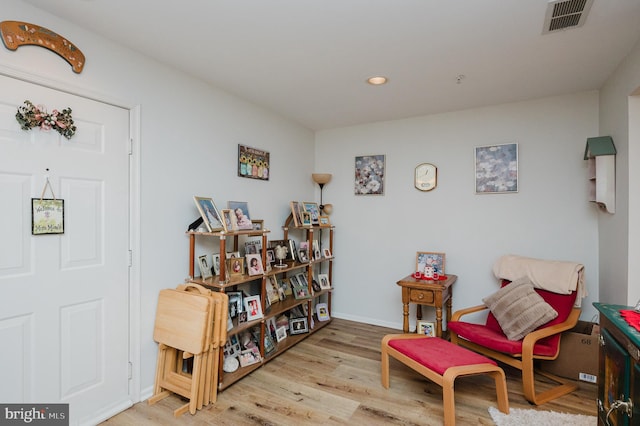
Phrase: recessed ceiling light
[376,81]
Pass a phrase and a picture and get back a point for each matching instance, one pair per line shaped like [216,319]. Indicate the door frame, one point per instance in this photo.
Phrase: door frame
[134,206]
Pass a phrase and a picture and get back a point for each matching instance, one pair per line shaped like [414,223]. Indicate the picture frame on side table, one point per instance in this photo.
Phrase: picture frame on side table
[210,214]
[496,169]
[298,326]
[426,328]
[433,259]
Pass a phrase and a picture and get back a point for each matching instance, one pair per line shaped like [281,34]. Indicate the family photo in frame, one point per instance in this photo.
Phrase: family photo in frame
[209,213]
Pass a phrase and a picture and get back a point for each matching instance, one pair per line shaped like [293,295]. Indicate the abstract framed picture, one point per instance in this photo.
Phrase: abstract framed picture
[369,175]
[496,169]
[253,163]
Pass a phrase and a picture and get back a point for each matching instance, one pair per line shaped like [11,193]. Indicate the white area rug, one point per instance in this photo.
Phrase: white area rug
[517,417]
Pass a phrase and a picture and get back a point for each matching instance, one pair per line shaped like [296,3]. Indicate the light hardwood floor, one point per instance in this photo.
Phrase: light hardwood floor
[333,378]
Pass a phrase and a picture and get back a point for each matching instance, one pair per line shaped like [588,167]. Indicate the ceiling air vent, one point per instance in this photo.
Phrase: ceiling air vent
[564,14]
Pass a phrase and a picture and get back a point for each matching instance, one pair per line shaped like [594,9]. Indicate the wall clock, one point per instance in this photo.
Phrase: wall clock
[426,177]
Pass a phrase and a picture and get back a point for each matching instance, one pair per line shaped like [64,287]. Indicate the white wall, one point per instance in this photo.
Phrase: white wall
[189,136]
[620,233]
[377,236]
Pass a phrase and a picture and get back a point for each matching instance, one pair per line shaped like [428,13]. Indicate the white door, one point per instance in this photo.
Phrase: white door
[64,298]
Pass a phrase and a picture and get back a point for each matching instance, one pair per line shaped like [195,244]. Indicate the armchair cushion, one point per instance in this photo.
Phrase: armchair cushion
[519,309]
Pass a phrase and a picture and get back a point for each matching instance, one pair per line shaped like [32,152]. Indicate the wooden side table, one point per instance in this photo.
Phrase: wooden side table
[430,293]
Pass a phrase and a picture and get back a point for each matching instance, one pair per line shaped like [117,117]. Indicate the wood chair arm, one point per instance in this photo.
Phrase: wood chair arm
[532,338]
[458,314]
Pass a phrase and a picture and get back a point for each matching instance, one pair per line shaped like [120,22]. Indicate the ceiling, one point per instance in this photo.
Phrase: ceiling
[308,60]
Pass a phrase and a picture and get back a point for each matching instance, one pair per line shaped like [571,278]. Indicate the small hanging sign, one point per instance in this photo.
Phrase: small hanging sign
[47,214]
[17,33]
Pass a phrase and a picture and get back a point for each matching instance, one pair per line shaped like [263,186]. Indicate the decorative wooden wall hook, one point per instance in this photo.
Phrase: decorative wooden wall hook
[15,34]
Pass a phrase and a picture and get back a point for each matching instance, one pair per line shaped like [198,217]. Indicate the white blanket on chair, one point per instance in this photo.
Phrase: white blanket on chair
[552,275]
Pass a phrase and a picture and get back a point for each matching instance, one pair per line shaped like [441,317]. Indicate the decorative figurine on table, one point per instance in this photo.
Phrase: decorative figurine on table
[281,254]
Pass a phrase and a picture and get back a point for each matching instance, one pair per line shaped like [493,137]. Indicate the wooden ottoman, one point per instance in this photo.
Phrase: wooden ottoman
[441,362]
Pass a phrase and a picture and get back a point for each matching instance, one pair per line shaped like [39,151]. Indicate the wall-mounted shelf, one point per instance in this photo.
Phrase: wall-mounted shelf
[601,155]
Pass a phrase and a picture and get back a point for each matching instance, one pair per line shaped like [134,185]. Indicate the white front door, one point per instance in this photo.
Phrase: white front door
[64,298]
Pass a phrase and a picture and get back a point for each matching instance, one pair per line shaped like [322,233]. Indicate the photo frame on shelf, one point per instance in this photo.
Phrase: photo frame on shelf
[205,267]
[369,175]
[433,259]
[315,286]
[236,304]
[229,220]
[324,221]
[313,210]
[426,328]
[298,326]
[257,224]
[295,211]
[271,256]
[316,250]
[302,279]
[322,312]
[241,211]
[281,333]
[326,252]
[253,307]
[285,286]
[232,347]
[269,344]
[216,263]
[254,264]
[299,291]
[235,266]
[250,356]
[272,289]
[253,247]
[210,214]
[306,218]
[323,280]
[496,169]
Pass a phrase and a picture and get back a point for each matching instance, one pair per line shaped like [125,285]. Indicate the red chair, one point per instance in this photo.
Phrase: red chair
[541,344]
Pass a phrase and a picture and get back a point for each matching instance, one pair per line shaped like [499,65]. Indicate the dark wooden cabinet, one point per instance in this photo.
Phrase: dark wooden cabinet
[619,369]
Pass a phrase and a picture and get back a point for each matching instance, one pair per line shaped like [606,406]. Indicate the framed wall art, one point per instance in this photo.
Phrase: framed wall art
[433,259]
[253,163]
[496,169]
[369,175]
